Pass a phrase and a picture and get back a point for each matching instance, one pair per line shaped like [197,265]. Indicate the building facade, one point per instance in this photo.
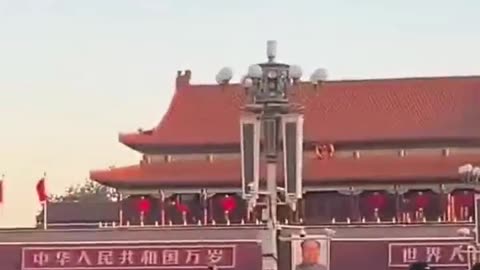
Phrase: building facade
[380,174]
[375,151]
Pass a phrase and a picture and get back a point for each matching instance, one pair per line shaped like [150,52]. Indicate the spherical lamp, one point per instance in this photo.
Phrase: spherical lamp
[247,82]
[224,75]
[255,72]
[295,72]
[319,75]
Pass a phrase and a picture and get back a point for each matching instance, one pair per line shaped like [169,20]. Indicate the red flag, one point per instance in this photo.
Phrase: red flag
[41,192]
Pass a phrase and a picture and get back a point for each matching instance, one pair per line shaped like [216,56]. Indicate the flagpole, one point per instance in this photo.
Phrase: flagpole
[45,204]
[45,226]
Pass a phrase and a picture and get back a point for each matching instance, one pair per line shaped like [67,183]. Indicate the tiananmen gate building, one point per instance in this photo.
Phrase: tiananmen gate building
[380,180]
[375,150]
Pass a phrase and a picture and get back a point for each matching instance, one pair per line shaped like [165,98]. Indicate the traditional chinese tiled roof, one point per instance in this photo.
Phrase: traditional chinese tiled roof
[362,111]
[226,172]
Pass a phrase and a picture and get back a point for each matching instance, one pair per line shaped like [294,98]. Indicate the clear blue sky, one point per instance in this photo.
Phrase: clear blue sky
[73,73]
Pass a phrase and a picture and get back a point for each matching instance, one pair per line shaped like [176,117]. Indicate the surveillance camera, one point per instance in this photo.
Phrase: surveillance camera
[303,233]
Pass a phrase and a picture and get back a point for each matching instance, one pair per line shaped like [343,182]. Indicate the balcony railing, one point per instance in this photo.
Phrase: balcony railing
[377,208]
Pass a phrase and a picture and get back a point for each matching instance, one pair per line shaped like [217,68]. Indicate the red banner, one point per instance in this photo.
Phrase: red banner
[128,257]
[437,254]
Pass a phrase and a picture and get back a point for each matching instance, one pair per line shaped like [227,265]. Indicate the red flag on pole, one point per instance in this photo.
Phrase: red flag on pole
[41,191]
[43,198]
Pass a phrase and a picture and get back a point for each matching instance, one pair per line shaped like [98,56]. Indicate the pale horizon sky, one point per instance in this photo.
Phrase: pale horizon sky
[73,74]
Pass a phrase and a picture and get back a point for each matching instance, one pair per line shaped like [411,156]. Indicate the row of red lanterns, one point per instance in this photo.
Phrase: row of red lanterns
[376,200]
[227,203]
[421,200]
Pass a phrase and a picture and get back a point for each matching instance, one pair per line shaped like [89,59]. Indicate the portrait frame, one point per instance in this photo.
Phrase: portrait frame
[296,249]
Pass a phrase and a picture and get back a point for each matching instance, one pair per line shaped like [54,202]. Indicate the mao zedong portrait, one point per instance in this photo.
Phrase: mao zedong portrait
[311,251]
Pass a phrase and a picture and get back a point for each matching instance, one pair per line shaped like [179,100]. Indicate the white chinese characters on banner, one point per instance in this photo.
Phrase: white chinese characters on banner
[121,257]
[437,254]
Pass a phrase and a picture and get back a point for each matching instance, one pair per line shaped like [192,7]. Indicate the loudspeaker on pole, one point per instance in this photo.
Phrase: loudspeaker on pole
[250,153]
[292,129]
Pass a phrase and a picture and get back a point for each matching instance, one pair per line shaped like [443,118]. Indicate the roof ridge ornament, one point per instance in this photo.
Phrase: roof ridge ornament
[183,78]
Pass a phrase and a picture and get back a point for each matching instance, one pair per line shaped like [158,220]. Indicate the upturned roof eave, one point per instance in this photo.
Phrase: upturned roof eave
[412,169]
[309,183]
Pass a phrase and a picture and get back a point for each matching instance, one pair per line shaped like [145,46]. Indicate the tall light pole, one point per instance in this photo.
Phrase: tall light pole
[271,126]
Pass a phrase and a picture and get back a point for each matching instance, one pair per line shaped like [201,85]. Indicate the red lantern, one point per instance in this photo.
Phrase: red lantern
[376,201]
[228,204]
[144,205]
[421,201]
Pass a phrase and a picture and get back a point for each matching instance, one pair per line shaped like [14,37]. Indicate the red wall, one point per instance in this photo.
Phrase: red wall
[444,254]
[116,256]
